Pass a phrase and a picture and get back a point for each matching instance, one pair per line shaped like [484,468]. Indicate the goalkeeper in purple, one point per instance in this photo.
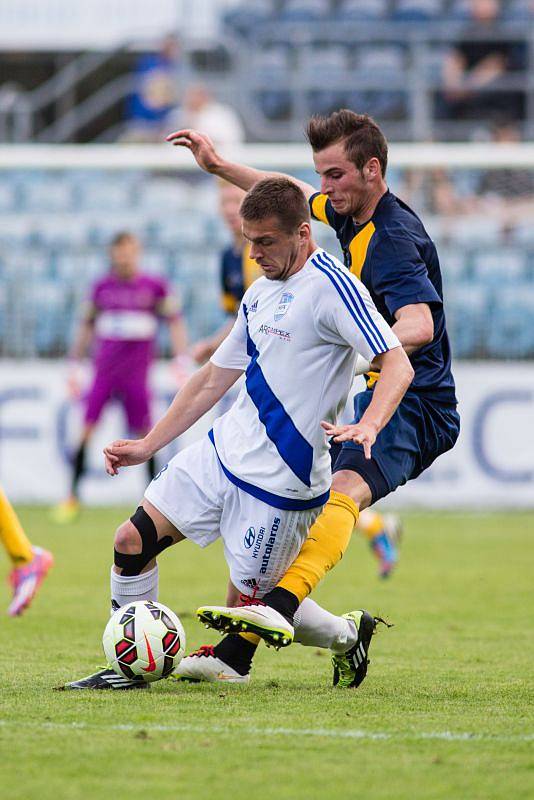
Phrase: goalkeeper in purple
[120,323]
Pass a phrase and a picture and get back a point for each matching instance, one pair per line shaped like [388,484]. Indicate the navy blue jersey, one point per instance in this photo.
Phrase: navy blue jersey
[238,271]
[397,261]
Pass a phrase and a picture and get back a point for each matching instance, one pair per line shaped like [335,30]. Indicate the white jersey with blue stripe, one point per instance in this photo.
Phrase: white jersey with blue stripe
[297,341]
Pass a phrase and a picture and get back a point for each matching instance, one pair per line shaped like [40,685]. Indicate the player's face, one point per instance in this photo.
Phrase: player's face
[347,188]
[230,203]
[275,250]
[125,257]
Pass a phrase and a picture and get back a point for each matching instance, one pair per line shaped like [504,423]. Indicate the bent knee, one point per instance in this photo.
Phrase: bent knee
[127,539]
[350,483]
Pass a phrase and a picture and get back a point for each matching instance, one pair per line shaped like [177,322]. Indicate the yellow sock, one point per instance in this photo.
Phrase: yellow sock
[13,537]
[326,543]
[253,638]
[370,523]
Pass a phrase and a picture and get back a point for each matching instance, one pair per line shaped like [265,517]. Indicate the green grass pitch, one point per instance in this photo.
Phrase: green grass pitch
[445,712]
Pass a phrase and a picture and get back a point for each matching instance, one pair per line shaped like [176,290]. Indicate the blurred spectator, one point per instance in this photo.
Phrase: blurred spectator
[475,66]
[506,193]
[202,112]
[155,94]
[507,183]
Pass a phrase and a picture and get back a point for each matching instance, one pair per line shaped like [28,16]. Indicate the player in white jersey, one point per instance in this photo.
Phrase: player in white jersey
[262,475]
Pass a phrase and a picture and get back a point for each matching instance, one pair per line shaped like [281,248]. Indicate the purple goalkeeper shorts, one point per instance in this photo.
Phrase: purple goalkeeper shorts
[133,395]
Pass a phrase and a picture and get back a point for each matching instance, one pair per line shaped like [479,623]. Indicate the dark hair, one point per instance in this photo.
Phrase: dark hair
[122,236]
[362,137]
[276,197]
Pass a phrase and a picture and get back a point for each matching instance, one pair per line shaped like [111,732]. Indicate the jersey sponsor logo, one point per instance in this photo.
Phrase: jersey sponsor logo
[269,546]
[283,306]
[253,307]
[268,330]
[259,540]
[249,538]
[162,470]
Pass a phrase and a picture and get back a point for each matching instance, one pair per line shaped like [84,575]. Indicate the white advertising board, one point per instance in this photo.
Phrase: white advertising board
[492,465]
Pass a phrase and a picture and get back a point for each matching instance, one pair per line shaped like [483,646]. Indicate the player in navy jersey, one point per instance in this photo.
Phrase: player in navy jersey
[386,245]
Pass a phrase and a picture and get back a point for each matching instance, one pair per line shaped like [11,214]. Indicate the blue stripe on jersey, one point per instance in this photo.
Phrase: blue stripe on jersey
[281,430]
[354,303]
[353,289]
[350,308]
[285,503]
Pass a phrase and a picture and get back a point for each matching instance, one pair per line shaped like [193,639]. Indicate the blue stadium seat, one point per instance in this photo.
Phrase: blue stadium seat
[328,61]
[454,265]
[49,193]
[52,316]
[511,334]
[244,18]
[104,194]
[417,10]
[358,10]
[324,102]
[498,265]
[382,63]
[468,318]
[305,11]
[272,66]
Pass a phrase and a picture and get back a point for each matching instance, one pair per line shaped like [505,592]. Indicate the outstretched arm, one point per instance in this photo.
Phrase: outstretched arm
[211,161]
[395,377]
[200,393]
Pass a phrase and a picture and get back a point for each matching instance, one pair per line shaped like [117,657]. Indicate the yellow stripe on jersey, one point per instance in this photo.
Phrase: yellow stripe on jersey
[318,208]
[229,303]
[372,378]
[358,248]
[251,269]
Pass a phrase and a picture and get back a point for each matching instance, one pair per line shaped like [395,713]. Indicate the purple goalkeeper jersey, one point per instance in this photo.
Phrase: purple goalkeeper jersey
[126,313]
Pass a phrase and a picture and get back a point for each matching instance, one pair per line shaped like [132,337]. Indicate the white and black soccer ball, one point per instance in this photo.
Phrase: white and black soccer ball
[144,639]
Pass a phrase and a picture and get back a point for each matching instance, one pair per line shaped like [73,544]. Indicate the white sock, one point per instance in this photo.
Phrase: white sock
[316,627]
[128,588]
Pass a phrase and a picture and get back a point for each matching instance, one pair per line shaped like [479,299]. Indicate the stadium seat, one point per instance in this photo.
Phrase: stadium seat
[511,334]
[454,265]
[468,318]
[305,11]
[498,265]
[246,16]
[417,10]
[48,194]
[271,67]
[104,194]
[380,64]
[358,10]
[324,102]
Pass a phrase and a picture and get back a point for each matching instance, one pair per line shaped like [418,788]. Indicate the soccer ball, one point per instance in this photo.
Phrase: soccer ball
[144,639]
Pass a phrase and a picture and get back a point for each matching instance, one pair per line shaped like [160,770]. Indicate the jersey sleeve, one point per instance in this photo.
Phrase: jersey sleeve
[347,315]
[232,352]
[400,275]
[321,210]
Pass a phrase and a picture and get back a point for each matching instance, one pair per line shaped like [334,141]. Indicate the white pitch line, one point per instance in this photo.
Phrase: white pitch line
[330,733]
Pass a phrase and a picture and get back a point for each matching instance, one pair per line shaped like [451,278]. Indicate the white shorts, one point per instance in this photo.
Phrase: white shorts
[260,541]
